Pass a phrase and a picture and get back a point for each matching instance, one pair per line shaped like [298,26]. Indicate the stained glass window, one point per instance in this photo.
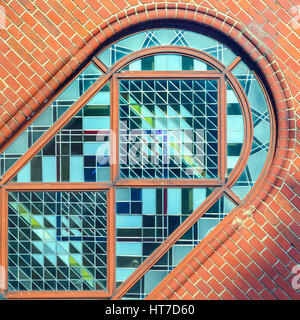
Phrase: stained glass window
[57,241]
[131,166]
[168,129]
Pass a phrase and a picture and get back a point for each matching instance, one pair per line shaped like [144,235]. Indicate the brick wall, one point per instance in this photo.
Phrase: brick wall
[252,256]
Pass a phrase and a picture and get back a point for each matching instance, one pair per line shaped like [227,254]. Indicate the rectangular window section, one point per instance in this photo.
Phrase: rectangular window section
[57,241]
[168,129]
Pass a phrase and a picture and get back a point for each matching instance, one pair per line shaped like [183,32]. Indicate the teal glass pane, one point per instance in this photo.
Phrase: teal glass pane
[168,129]
[48,117]
[166,37]
[80,152]
[168,62]
[261,129]
[57,241]
[235,129]
[145,218]
[180,249]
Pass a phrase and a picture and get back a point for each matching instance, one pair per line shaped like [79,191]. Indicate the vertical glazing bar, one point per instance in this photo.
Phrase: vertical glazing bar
[4,244]
[114,145]
[111,247]
[222,138]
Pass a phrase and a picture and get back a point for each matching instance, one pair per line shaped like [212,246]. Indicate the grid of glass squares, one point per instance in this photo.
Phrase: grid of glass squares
[57,241]
[182,247]
[48,117]
[145,218]
[80,151]
[168,129]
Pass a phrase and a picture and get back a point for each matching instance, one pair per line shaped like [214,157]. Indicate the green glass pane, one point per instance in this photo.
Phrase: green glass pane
[235,129]
[168,129]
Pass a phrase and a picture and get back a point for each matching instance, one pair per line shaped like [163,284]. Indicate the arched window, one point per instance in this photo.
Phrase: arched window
[162,135]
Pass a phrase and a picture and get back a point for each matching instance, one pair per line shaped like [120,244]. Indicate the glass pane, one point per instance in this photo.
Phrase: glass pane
[145,218]
[48,117]
[80,151]
[261,131]
[235,129]
[166,37]
[57,241]
[180,249]
[168,62]
[168,129]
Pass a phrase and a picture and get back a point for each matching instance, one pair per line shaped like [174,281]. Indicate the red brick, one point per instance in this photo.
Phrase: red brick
[248,276]
[213,296]
[200,296]
[234,290]
[253,295]
[268,283]
[42,5]
[190,287]
[47,23]
[203,287]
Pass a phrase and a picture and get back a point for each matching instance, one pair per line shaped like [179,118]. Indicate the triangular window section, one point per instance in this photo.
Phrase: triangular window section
[145,218]
[185,244]
[80,151]
[156,141]
[49,116]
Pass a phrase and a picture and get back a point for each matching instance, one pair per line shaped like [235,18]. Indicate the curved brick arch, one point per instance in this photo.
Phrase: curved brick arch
[281,164]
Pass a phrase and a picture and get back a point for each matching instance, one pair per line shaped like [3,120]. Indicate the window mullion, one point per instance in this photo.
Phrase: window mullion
[222,138]
[114,139]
